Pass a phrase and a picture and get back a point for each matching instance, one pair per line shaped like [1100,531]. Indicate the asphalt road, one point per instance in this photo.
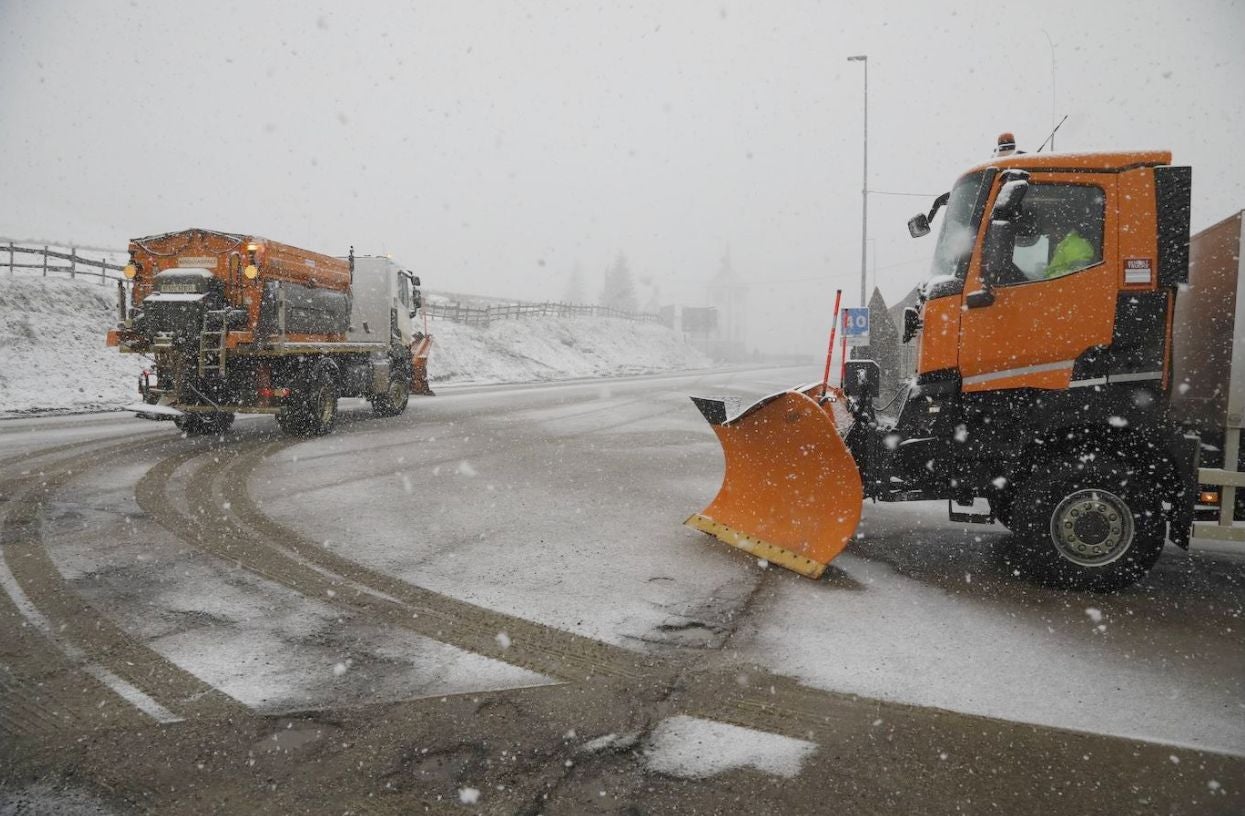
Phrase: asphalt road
[488,604]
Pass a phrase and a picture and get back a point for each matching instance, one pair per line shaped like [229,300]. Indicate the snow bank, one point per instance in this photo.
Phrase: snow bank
[693,748]
[52,352]
[550,348]
[53,357]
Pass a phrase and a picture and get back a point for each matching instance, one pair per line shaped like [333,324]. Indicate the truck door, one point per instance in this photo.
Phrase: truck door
[1057,297]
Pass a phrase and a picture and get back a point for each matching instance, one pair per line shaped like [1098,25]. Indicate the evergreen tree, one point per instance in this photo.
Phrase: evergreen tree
[575,286]
[618,291]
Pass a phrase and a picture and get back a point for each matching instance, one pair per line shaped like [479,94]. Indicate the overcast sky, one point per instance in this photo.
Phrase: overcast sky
[493,146]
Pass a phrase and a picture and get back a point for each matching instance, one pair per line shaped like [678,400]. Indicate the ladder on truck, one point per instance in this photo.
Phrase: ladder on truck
[212,350]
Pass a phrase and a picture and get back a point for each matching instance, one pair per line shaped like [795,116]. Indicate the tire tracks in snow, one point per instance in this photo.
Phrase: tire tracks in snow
[223,520]
[66,663]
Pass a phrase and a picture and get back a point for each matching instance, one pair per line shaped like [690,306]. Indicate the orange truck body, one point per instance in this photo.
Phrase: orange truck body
[227,256]
[238,323]
[985,344]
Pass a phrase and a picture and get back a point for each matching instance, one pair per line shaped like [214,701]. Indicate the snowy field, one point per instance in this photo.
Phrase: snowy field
[53,357]
[52,352]
[552,348]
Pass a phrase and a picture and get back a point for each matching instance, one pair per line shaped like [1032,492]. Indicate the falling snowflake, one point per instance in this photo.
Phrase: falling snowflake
[468,796]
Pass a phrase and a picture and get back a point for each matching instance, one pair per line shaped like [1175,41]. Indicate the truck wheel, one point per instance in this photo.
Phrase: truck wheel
[312,413]
[393,401]
[1087,525]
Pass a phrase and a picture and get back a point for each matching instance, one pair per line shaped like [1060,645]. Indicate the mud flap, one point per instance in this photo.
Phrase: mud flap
[792,493]
[419,366]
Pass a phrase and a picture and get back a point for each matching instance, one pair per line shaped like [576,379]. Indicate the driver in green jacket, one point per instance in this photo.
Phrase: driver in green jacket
[1072,253]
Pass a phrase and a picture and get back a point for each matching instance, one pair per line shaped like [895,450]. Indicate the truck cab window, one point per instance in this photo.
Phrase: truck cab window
[959,226]
[1058,232]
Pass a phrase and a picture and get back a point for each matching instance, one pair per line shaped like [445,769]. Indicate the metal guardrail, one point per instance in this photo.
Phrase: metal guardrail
[48,261]
[482,316]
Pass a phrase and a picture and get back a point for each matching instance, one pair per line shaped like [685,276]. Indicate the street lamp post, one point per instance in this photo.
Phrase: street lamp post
[864,184]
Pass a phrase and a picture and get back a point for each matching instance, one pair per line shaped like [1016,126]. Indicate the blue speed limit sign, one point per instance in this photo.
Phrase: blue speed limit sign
[856,326]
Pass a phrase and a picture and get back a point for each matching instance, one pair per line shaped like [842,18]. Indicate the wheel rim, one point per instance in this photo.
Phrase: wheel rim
[1092,528]
[397,394]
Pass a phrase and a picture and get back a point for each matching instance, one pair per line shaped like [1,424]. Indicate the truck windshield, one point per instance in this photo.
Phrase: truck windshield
[959,227]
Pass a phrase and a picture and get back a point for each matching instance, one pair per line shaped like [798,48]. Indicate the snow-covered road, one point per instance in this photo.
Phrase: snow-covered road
[563,505]
[524,536]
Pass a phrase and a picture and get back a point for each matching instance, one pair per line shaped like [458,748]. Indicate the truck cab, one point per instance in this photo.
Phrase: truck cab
[1044,363]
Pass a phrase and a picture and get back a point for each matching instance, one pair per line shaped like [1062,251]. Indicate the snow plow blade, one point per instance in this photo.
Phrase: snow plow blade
[792,493]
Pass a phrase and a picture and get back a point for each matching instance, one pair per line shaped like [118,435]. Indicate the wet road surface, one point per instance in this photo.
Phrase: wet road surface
[488,605]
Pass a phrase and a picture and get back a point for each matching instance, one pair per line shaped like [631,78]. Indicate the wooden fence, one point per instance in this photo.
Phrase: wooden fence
[483,315]
[46,260]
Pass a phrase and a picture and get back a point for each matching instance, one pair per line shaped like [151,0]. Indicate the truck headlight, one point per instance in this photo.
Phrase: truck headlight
[130,271]
[251,272]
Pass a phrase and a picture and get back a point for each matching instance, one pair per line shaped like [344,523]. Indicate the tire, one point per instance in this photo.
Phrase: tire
[1090,525]
[311,412]
[203,424]
[392,402]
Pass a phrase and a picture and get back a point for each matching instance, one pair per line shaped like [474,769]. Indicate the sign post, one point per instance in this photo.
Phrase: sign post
[855,333]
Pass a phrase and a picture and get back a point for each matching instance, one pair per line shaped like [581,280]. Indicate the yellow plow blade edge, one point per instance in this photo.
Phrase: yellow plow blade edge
[792,493]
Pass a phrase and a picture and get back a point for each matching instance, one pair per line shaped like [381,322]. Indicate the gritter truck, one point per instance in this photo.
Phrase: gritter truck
[241,324]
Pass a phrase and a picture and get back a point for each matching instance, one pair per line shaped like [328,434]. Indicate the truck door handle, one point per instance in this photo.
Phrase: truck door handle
[978,299]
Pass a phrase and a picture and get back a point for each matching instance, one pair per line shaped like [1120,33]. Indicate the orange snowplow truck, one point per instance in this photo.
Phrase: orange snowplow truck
[241,324]
[1046,386]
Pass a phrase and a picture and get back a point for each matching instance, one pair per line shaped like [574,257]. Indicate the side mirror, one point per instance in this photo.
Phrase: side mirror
[911,323]
[918,225]
[1007,202]
[415,280]
[996,252]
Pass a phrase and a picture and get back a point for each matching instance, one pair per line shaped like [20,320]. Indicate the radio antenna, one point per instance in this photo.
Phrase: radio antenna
[1051,137]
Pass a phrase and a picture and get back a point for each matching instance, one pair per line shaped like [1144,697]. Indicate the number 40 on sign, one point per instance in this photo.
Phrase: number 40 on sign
[856,326]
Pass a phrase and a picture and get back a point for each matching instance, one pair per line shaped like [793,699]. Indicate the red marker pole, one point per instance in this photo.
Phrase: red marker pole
[834,325]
